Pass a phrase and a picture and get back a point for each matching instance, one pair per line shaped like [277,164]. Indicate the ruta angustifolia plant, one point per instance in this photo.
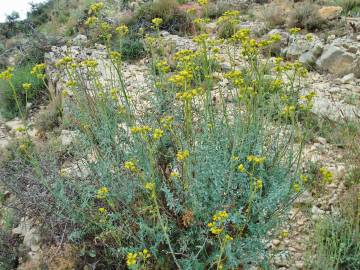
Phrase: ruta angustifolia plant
[196,177]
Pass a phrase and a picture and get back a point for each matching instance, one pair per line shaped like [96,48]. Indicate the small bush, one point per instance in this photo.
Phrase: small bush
[8,107]
[49,118]
[350,7]
[8,250]
[174,19]
[336,238]
[131,46]
[306,16]
[274,16]
[215,10]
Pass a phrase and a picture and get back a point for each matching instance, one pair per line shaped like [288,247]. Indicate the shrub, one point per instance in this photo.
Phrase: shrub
[50,117]
[350,7]
[274,16]
[8,106]
[336,237]
[174,19]
[306,16]
[131,46]
[193,178]
[8,250]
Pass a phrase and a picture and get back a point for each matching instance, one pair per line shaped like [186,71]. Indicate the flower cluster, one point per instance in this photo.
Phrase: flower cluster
[158,133]
[134,258]
[327,176]
[131,166]
[218,222]
[38,71]
[26,86]
[102,193]
[141,130]
[162,66]
[167,121]
[7,74]
[182,78]
[157,22]
[95,8]
[256,159]
[122,29]
[190,94]
[182,155]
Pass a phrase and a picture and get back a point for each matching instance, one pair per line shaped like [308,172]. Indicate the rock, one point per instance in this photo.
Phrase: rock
[80,40]
[348,78]
[316,212]
[276,242]
[14,125]
[67,137]
[341,57]
[30,233]
[281,260]
[358,37]
[305,48]
[299,265]
[334,110]
[77,169]
[330,12]
[305,198]
[320,140]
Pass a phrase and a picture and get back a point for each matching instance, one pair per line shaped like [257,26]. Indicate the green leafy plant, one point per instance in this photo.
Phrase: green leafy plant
[337,237]
[21,75]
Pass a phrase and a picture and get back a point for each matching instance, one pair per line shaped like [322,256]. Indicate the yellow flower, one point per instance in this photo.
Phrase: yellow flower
[163,66]
[102,210]
[131,259]
[216,231]
[297,187]
[304,178]
[288,111]
[182,155]
[202,2]
[95,8]
[129,165]
[256,159]
[90,63]
[144,254]
[102,193]
[141,129]
[241,168]
[158,133]
[26,86]
[122,29]
[275,37]
[294,30]
[326,174]
[228,238]
[174,174]
[157,22]
[220,216]
[65,93]
[7,74]
[166,121]
[284,234]
[309,37]
[259,184]
[211,224]
[150,186]
[91,21]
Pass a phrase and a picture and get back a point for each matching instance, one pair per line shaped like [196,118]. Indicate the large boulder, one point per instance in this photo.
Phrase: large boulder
[341,57]
[330,12]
